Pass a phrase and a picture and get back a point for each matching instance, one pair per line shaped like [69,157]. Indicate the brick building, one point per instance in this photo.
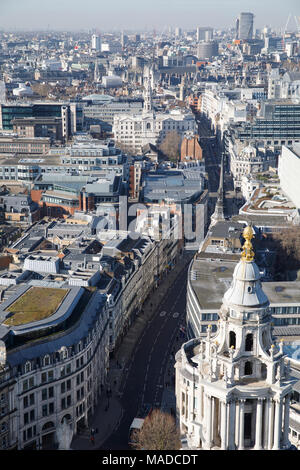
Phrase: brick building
[190,149]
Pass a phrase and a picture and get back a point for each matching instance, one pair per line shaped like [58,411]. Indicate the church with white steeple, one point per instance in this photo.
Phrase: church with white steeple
[233,388]
[136,131]
[147,94]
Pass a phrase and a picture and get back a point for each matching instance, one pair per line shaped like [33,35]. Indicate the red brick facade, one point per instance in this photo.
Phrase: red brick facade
[190,149]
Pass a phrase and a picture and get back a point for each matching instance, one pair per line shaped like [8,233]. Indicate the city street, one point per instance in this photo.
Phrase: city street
[145,378]
[212,155]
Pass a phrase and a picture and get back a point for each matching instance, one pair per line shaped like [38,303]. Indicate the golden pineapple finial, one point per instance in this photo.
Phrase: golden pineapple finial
[248,253]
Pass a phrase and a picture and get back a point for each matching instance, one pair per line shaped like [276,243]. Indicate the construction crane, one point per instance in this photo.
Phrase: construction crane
[297,22]
[284,31]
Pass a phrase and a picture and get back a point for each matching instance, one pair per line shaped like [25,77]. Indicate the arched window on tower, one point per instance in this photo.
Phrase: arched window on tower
[249,342]
[232,339]
[263,371]
[248,368]
[265,339]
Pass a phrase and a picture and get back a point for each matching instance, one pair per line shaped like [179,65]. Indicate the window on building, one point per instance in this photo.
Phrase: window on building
[47,360]
[248,368]
[31,399]
[232,339]
[249,342]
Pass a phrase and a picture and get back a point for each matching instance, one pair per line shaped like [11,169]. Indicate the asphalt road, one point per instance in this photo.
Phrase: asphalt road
[212,154]
[144,379]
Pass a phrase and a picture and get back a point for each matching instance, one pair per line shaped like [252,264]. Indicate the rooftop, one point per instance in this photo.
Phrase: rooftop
[28,307]
[210,278]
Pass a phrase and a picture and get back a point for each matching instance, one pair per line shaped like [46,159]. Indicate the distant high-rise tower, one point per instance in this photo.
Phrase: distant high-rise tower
[124,39]
[178,32]
[96,42]
[244,26]
[204,34]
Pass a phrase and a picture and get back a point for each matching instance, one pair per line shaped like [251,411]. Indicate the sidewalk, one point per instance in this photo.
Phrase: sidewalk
[107,415]
[106,420]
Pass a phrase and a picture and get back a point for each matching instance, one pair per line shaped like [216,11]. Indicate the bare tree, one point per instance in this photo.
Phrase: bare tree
[287,246]
[42,89]
[170,146]
[128,149]
[159,432]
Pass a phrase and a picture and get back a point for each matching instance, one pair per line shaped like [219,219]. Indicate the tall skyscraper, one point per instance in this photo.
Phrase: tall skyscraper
[204,34]
[178,32]
[96,42]
[124,39]
[244,26]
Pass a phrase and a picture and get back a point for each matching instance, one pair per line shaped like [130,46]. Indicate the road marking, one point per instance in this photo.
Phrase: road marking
[163,313]
[176,315]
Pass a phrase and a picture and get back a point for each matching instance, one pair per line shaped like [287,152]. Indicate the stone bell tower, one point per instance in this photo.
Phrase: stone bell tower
[233,389]
[147,94]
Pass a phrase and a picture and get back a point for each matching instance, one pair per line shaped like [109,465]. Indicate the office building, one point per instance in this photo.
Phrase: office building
[204,34]
[289,172]
[244,26]
[207,50]
[277,124]
[55,370]
[61,115]
[96,42]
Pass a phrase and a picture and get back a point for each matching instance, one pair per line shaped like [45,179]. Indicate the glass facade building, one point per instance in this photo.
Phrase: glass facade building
[279,124]
[37,110]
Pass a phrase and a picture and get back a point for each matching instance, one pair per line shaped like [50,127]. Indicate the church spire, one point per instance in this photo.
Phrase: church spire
[219,209]
[96,71]
[147,91]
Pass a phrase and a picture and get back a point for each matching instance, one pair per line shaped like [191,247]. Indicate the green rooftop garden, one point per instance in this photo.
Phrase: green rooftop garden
[35,304]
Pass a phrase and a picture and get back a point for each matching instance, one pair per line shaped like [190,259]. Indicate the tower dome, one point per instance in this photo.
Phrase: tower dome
[238,391]
[246,290]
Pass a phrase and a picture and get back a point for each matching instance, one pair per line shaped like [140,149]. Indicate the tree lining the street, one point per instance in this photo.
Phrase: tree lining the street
[159,432]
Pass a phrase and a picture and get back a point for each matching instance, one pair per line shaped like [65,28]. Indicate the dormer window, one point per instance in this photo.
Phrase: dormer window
[47,360]
[63,353]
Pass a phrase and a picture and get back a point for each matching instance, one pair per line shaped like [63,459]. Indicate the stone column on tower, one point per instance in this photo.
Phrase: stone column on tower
[259,414]
[241,424]
[223,424]
[277,423]
[286,421]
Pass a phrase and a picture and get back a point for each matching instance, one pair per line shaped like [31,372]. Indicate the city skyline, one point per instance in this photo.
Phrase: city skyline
[149,227]
[75,15]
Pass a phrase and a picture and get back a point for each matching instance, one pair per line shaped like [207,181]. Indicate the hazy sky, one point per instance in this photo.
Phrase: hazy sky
[141,14]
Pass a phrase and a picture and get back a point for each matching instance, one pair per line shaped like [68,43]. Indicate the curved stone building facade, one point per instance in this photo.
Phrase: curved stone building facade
[52,376]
